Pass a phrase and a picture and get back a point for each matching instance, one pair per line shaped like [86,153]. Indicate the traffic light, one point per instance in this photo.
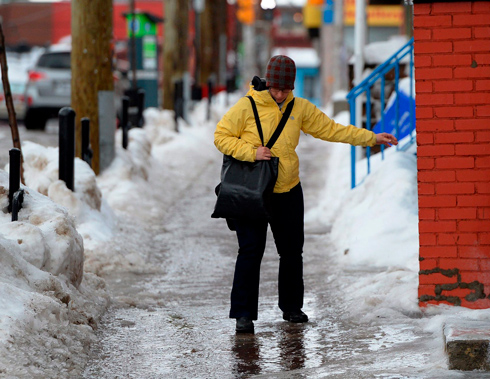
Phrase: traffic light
[246,11]
[312,14]
[312,17]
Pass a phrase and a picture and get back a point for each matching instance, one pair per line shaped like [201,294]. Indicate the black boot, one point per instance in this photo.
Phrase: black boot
[244,325]
[295,316]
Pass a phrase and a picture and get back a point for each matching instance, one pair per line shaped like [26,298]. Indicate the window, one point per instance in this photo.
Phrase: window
[55,60]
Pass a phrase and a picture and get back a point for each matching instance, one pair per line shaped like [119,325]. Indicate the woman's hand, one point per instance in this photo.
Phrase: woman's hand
[386,139]
[263,154]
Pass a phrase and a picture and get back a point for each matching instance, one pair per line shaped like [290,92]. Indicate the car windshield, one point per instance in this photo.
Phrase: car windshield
[55,60]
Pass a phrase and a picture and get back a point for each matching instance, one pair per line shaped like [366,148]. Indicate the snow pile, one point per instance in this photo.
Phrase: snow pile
[45,234]
[94,220]
[375,233]
[49,313]
[45,305]
[302,56]
[378,52]
[374,226]
[159,125]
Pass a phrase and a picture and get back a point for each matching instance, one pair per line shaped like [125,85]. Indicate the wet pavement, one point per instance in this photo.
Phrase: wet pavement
[170,320]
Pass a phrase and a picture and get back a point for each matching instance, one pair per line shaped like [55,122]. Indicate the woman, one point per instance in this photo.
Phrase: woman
[236,135]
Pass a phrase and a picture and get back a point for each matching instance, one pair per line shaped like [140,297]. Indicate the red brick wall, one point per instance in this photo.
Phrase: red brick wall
[26,22]
[452,72]
[43,24]
[62,18]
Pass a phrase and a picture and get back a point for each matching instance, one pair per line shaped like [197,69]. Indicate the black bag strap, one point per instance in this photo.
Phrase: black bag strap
[279,128]
[257,119]
[281,125]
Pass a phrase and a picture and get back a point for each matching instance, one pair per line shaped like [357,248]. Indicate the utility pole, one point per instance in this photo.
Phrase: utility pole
[246,16]
[92,87]
[222,41]
[132,41]
[340,63]
[175,53]
[327,52]
[332,36]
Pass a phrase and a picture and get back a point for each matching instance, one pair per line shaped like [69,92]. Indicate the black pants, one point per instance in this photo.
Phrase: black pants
[287,226]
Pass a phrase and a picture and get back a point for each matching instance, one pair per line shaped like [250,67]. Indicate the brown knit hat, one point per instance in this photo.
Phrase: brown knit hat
[280,73]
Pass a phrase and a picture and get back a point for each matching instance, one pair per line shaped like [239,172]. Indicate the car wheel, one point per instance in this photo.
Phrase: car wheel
[35,119]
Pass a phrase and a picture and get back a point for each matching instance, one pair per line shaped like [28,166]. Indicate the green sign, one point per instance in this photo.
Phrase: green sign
[142,26]
[149,53]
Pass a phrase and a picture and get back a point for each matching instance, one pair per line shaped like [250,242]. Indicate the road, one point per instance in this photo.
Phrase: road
[48,137]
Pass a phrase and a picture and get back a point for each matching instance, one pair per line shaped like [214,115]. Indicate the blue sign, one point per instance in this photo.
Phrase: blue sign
[403,115]
[328,12]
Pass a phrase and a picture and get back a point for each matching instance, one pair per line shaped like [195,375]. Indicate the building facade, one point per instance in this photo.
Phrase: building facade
[452,73]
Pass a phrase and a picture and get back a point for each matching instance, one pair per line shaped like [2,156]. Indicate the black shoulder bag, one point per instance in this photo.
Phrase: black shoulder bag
[246,187]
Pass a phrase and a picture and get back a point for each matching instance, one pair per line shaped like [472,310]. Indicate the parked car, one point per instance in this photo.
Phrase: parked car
[49,87]
[17,88]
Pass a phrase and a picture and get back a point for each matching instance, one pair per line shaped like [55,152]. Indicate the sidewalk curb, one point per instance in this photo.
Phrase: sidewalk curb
[466,343]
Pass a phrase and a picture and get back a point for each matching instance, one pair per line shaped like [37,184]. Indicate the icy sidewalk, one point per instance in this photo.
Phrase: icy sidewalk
[169,318]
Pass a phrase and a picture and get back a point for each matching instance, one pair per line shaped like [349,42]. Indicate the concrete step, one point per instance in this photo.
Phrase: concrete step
[466,343]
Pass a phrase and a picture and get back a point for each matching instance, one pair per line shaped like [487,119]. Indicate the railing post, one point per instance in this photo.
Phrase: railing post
[125,121]
[66,159]
[87,152]
[368,127]
[141,107]
[14,174]
[412,111]
[382,95]
[397,101]
[352,106]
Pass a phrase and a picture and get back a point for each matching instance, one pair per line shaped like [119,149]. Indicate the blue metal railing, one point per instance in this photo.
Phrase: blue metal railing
[365,88]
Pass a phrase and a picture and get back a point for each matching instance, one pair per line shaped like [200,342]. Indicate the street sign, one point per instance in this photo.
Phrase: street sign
[328,12]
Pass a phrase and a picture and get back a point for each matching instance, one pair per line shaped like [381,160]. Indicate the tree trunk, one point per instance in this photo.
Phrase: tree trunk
[9,101]
[175,51]
[207,52]
[91,66]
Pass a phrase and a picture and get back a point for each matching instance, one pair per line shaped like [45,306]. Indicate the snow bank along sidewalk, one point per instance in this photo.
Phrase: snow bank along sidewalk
[375,230]
[48,306]
[50,296]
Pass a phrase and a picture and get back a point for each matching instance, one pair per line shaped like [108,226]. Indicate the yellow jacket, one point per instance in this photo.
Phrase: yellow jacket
[237,135]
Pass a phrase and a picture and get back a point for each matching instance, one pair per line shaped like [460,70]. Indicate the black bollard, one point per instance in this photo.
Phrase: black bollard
[196,92]
[67,147]
[178,102]
[141,107]
[17,204]
[14,174]
[210,96]
[179,98]
[87,152]
[125,121]
[230,85]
